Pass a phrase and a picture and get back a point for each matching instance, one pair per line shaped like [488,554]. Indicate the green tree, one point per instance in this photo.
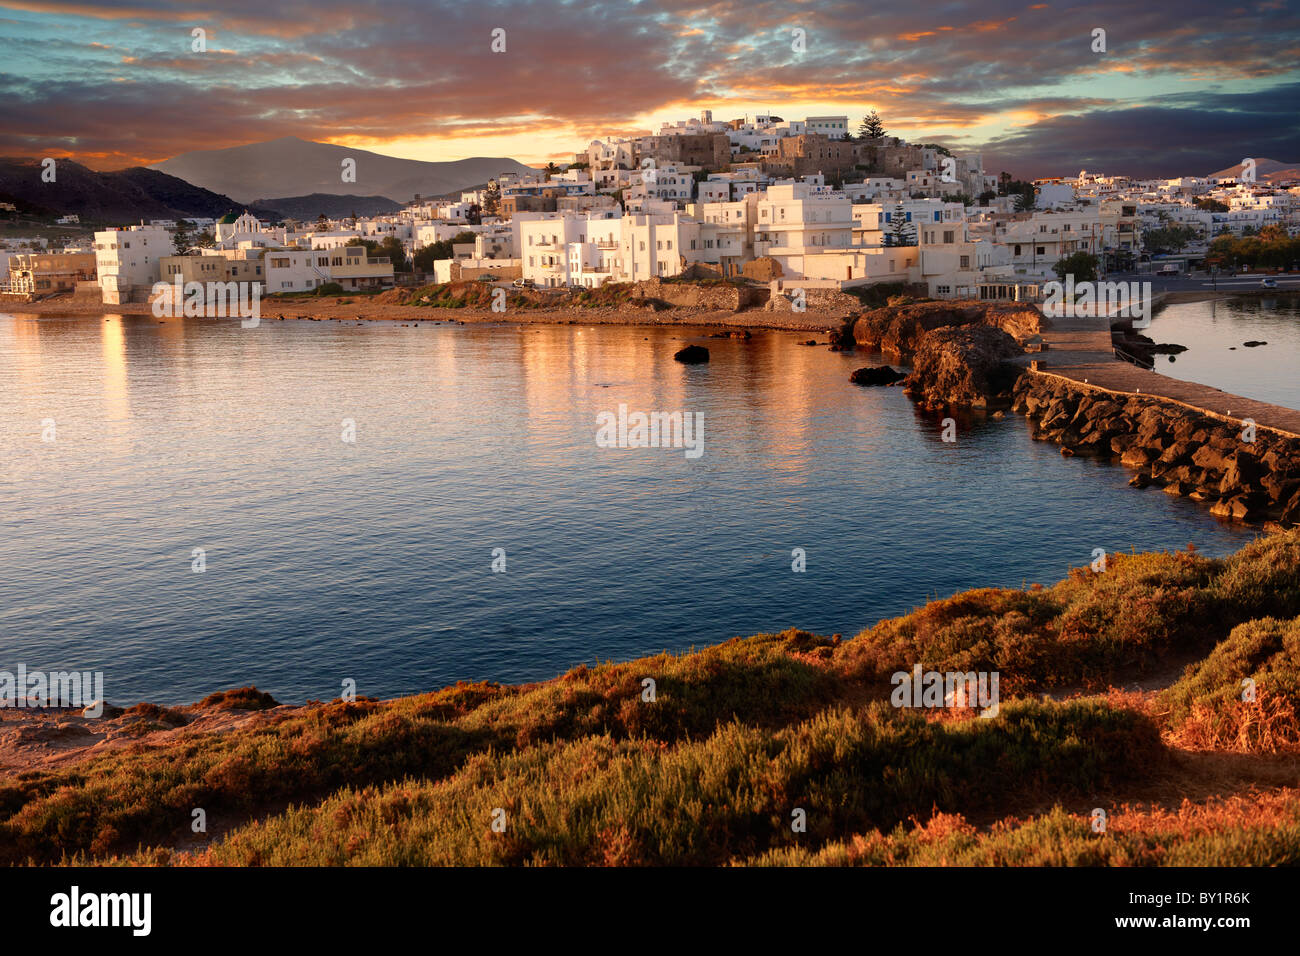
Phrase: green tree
[1168,238]
[1211,205]
[1081,265]
[205,240]
[426,256]
[390,247]
[183,237]
[872,126]
[900,231]
[492,198]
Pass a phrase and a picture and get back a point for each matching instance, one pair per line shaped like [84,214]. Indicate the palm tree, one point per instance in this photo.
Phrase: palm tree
[551,169]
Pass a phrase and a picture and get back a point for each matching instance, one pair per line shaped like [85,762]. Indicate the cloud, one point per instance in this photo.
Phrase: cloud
[1011,76]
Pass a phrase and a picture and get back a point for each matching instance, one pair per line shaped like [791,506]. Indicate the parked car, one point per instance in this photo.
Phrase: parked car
[523,283]
[1268,283]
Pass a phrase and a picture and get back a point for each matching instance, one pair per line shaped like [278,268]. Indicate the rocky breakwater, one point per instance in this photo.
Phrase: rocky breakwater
[1242,471]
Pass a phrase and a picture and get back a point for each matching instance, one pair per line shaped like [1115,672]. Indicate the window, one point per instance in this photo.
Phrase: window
[965,262]
[948,235]
[1041,251]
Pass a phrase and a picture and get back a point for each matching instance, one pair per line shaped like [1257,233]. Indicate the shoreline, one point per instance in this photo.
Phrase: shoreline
[1131,718]
[330,309]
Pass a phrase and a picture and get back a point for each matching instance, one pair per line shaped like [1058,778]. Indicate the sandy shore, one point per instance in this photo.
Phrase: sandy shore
[367,309]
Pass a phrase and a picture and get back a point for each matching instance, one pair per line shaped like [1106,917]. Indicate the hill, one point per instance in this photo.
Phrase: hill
[1266,171]
[121,197]
[289,166]
[306,208]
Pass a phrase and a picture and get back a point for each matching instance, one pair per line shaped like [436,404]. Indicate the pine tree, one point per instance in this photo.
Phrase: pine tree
[872,126]
[901,232]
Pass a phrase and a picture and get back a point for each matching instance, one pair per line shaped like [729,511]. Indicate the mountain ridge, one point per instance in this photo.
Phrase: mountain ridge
[290,166]
[120,197]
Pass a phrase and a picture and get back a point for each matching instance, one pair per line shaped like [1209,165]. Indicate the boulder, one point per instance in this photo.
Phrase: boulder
[1235,508]
[964,365]
[1241,475]
[882,375]
[692,355]
[1137,456]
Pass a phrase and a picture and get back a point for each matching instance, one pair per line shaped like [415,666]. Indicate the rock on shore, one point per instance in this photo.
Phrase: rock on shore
[964,365]
[1181,450]
[883,375]
[692,355]
[900,330]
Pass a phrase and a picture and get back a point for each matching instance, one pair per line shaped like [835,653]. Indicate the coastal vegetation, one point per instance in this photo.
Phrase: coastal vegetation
[774,749]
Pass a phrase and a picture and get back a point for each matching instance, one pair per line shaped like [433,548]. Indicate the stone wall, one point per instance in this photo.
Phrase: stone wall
[707,295]
[815,300]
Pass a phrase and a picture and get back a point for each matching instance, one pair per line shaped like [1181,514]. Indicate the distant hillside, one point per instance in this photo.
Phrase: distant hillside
[290,166]
[304,208]
[122,197]
[1266,171]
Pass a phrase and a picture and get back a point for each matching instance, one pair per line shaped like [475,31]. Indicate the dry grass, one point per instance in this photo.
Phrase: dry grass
[588,772]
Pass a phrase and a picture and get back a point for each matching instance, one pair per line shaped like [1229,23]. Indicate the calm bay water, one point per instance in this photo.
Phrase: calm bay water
[1214,332]
[328,560]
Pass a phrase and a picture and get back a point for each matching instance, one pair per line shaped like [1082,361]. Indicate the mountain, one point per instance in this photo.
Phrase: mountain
[290,166]
[121,198]
[1266,171]
[304,208]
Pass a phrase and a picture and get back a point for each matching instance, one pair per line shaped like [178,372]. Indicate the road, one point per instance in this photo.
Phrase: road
[1246,282]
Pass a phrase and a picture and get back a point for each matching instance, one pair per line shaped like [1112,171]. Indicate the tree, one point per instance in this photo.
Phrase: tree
[1211,205]
[872,126]
[985,196]
[1169,238]
[900,233]
[391,247]
[1081,265]
[183,237]
[426,256]
[551,170]
[492,198]
[205,240]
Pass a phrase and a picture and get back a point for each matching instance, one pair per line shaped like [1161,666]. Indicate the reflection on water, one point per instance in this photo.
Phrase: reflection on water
[1215,332]
[328,560]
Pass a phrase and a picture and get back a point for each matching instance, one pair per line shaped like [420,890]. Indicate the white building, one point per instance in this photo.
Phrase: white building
[126,261]
[833,127]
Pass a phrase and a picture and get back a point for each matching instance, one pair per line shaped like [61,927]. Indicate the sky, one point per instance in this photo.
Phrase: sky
[1182,88]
